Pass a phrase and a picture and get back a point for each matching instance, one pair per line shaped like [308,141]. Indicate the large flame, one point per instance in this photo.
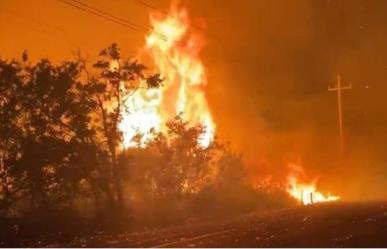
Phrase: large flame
[305,190]
[175,50]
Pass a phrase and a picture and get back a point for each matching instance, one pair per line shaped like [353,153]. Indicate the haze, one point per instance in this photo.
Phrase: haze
[270,63]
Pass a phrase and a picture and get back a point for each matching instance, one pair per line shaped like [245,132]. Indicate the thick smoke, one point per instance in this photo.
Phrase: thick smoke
[271,63]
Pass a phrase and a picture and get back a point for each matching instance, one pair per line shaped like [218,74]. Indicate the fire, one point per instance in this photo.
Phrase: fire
[305,191]
[142,115]
[175,50]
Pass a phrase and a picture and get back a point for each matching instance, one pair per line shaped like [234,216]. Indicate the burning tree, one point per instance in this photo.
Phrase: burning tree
[175,49]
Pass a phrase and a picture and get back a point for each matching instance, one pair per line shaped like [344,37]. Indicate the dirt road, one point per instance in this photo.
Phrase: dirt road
[326,225]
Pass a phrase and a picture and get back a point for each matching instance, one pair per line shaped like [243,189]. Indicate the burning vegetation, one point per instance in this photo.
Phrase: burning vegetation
[304,189]
[115,136]
[175,50]
[113,139]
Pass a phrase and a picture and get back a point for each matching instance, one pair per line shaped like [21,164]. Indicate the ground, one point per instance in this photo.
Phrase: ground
[324,225]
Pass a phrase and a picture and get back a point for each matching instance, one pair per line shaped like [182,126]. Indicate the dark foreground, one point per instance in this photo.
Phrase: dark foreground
[325,225]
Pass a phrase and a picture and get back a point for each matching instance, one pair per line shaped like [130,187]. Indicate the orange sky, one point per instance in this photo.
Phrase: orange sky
[52,29]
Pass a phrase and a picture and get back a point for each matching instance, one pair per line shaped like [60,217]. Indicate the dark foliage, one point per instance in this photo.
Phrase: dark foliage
[60,149]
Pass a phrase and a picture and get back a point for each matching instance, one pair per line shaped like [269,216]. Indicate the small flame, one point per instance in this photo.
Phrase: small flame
[305,191]
[175,50]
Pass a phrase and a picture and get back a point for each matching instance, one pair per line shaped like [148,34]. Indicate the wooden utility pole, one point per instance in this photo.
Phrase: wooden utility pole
[339,88]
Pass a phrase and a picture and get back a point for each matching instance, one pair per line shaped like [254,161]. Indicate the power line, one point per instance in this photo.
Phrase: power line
[155,8]
[99,15]
[152,7]
[110,15]
[105,15]
[36,20]
[52,31]
[149,6]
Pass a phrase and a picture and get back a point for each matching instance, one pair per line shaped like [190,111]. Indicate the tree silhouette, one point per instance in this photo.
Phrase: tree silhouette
[174,164]
[60,140]
[117,80]
[59,127]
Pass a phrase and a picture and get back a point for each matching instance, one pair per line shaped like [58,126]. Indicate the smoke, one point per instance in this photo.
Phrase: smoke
[270,65]
[269,62]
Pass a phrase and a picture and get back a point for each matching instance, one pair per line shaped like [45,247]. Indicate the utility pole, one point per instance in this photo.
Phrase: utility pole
[340,88]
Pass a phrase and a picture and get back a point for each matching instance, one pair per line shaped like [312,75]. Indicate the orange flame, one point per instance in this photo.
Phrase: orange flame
[305,191]
[175,50]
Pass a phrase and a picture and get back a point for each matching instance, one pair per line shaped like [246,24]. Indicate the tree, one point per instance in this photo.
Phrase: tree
[44,116]
[12,184]
[117,79]
[174,164]
[60,125]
